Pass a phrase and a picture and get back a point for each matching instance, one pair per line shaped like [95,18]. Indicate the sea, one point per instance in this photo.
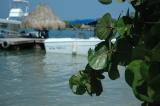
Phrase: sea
[36,78]
[72,33]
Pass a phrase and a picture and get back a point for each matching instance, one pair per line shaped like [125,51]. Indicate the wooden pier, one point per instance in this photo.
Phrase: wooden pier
[21,43]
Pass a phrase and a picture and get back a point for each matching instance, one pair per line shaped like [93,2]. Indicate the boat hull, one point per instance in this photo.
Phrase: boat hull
[70,45]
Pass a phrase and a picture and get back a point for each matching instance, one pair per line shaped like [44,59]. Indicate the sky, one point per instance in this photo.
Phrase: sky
[73,9]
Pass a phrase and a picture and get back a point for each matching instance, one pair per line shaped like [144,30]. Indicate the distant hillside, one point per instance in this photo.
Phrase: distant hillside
[82,21]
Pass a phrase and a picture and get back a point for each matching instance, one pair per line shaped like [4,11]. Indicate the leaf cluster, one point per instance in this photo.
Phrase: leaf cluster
[130,41]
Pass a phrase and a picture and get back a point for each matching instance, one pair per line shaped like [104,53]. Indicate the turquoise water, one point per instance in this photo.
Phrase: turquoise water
[34,78]
[77,33]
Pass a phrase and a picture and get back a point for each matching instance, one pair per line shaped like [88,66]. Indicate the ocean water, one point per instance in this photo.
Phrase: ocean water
[36,78]
[73,33]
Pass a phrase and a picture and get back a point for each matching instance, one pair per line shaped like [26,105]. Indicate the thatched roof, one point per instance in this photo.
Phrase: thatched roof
[42,18]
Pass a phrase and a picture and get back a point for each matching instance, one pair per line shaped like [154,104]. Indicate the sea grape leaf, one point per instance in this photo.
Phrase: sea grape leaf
[77,83]
[104,27]
[140,52]
[138,71]
[154,70]
[155,30]
[80,90]
[112,66]
[123,44]
[154,80]
[154,88]
[141,92]
[135,2]
[122,27]
[96,86]
[123,50]
[113,72]
[152,37]
[136,75]
[127,20]
[120,1]
[95,73]
[87,80]
[156,53]
[129,77]
[98,59]
[105,1]
[154,91]
[101,44]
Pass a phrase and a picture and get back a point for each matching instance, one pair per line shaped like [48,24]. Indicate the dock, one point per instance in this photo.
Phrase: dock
[21,43]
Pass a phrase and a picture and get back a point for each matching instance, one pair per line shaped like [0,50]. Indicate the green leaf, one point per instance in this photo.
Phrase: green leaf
[95,73]
[154,70]
[127,20]
[101,44]
[104,27]
[96,87]
[77,83]
[152,37]
[140,52]
[113,72]
[129,77]
[87,80]
[154,88]
[136,75]
[156,53]
[155,30]
[105,1]
[141,92]
[136,2]
[120,23]
[80,90]
[98,59]
[137,70]
[154,81]
[120,1]
[123,26]
[123,50]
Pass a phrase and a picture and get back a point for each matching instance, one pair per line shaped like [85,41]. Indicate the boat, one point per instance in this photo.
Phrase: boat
[13,22]
[70,45]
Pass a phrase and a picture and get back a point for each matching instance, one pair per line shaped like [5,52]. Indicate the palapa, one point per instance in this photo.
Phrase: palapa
[42,18]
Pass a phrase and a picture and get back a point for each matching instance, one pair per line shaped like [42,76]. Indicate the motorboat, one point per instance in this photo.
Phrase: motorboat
[13,22]
[70,45]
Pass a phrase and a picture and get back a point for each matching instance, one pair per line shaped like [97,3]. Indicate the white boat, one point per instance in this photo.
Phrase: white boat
[70,45]
[13,22]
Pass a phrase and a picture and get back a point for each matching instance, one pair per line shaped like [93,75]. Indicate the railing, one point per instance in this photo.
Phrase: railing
[9,34]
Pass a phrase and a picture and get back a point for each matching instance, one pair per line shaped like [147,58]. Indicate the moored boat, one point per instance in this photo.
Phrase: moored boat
[70,45]
[9,26]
